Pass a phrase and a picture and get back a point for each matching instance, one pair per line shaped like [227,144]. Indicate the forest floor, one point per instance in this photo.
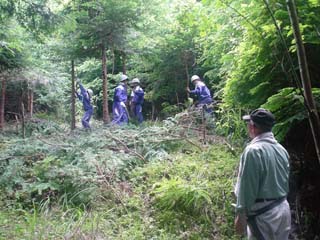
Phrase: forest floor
[156,181]
[161,180]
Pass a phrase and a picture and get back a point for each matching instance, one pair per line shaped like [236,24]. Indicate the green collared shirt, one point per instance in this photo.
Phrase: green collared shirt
[263,172]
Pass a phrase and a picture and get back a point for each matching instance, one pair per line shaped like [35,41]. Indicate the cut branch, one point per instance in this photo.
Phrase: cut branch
[127,148]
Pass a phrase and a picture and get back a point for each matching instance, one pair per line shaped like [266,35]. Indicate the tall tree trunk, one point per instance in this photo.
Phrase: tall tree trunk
[153,111]
[106,118]
[187,75]
[177,96]
[2,102]
[30,103]
[305,77]
[23,122]
[113,60]
[124,62]
[73,102]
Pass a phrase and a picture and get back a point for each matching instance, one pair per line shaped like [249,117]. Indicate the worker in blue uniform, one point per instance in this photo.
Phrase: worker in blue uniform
[201,92]
[85,96]
[119,108]
[137,98]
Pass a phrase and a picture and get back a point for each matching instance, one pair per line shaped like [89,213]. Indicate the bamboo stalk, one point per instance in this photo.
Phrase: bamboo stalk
[305,77]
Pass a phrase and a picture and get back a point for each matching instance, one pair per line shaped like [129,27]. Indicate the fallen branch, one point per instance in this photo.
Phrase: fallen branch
[14,113]
[52,144]
[178,138]
[192,143]
[127,148]
[230,148]
[18,156]
[108,185]
[193,128]
[6,159]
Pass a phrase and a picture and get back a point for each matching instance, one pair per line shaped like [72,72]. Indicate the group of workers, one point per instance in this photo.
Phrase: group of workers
[120,111]
[262,210]
[121,102]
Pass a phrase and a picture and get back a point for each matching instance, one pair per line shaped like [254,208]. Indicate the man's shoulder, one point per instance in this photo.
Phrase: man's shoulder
[201,84]
[252,147]
[120,87]
[253,150]
[261,147]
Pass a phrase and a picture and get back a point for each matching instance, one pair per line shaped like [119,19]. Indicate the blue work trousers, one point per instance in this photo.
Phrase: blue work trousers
[119,113]
[138,113]
[86,118]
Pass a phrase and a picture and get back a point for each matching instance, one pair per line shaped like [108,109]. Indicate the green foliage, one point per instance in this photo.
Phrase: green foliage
[40,167]
[11,45]
[245,59]
[234,45]
[36,16]
[191,193]
[168,51]
[169,109]
[230,124]
[32,174]
[101,22]
[173,193]
[288,107]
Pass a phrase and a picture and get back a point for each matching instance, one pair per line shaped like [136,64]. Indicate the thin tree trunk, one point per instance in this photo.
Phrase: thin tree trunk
[2,102]
[30,103]
[113,60]
[23,119]
[305,77]
[17,123]
[188,79]
[153,111]
[177,96]
[124,62]
[73,102]
[204,125]
[106,118]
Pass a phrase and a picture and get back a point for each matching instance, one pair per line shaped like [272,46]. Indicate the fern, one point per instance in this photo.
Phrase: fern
[177,194]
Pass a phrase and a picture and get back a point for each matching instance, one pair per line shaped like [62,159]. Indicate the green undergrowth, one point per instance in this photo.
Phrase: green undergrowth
[191,194]
[115,183]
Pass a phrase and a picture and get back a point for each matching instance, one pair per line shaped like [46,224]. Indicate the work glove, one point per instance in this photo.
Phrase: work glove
[78,80]
[123,104]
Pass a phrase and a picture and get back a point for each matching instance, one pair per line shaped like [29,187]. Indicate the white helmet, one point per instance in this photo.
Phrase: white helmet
[195,77]
[90,92]
[135,80]
[123,77]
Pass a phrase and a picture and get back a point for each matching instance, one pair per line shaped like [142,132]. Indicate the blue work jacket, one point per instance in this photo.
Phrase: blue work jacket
[85,98]
[202,93]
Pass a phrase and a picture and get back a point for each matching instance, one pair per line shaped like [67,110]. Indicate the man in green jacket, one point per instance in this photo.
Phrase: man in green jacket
[263,183]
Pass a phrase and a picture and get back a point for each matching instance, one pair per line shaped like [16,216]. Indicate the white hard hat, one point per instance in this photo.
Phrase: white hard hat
[123,77]
[135,80]
[195,77]
[90,92]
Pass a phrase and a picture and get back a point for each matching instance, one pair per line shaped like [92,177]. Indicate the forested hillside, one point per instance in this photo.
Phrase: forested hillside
[168,173]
